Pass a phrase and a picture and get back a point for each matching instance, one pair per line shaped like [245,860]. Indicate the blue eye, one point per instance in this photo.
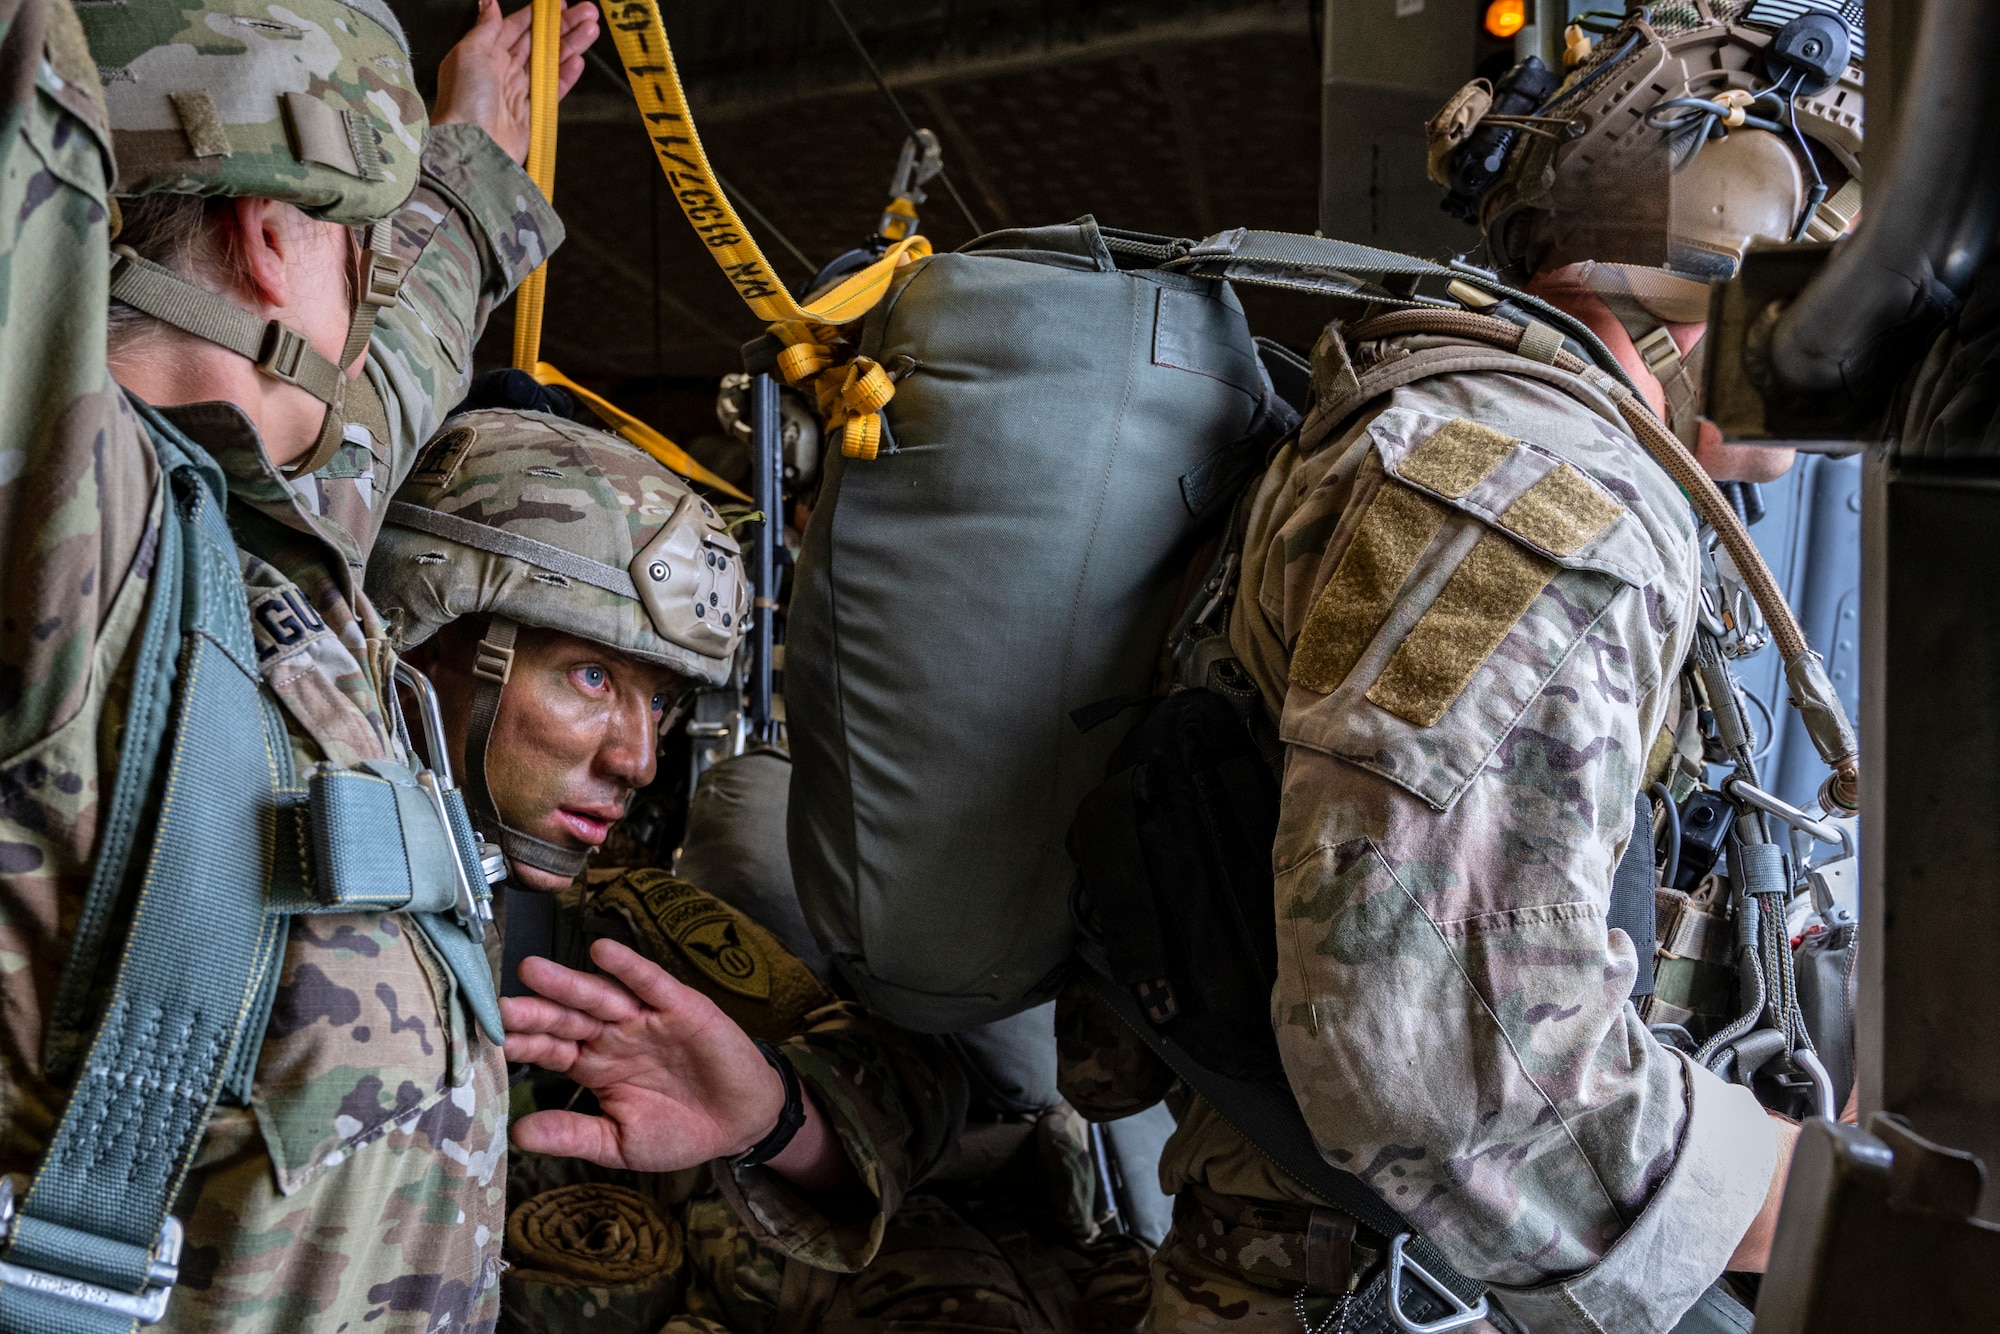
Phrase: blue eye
[594,677]
[660,703]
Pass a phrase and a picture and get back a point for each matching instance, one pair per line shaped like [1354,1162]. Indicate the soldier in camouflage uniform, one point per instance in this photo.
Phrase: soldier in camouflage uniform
[361,1181]
[1466,596]
[591,551]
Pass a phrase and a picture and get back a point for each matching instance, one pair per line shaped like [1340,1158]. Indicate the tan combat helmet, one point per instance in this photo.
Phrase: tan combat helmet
[1688,133]
[313,103]
[528,519]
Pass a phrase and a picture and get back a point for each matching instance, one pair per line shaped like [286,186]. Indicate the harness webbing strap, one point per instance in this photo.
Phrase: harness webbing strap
[1269,1120]
[199,950]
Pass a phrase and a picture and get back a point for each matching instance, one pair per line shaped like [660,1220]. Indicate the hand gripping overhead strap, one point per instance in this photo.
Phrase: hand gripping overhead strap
[91,1247]
[544,69]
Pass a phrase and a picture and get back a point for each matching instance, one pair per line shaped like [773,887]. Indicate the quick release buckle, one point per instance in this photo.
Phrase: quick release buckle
[283,352]
[148,1306]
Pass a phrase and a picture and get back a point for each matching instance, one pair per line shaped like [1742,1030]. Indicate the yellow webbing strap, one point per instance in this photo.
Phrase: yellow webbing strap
[850,390]
[645,437]
[544,60]
[544,66]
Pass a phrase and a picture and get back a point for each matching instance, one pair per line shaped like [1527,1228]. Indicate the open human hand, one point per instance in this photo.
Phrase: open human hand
[484,79]
[678,1081]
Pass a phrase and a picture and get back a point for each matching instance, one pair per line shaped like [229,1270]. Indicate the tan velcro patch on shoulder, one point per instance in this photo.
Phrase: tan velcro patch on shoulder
[1398,527]
[1457,458]
[1489,591]
[1562,513]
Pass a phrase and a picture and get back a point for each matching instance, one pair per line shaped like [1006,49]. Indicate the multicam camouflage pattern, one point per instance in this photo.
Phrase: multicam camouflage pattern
[922,1240]
[1451,1004]
[364,1182]
[205,98]
[556,483]
[595,1254]
[946,1261]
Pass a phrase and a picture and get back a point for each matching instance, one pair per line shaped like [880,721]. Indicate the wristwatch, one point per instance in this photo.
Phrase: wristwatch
[790,1117]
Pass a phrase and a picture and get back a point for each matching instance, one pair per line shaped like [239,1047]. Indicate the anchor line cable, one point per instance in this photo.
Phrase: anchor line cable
[861,49]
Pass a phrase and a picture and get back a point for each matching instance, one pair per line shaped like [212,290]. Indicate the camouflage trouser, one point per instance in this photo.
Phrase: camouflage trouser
[1238,1266]
[941,1266]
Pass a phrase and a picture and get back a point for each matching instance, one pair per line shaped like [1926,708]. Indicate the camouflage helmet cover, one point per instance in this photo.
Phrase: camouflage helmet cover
[556,525]
[1601,182]
[311,102]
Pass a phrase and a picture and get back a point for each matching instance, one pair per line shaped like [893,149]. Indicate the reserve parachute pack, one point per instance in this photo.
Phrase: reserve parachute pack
[1067,415]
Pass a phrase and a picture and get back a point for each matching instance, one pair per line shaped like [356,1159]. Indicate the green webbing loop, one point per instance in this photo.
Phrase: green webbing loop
[200,947]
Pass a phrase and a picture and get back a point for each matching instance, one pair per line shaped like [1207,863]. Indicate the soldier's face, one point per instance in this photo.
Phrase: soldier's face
[577,734]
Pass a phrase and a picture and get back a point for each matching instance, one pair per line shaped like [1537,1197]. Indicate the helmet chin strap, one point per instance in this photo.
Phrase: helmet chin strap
[492,664]
[279,350]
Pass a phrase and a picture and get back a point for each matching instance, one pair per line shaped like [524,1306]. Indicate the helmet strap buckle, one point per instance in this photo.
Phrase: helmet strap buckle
[493,662]
[283,354]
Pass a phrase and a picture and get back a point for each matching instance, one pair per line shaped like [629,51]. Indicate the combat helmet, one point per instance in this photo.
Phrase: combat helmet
[1686,133]
[313,103]
[528,519]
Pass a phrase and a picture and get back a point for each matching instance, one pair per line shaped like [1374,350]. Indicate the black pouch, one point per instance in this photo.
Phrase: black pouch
[1175,884]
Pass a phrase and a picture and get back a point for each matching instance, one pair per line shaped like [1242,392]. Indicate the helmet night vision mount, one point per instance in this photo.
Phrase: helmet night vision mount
[1598,164]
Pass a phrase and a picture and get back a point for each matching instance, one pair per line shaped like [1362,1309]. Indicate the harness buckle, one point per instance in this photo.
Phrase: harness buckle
[1461,1314]
[148,1306]
[382,277]
[1659,351]
[284,351]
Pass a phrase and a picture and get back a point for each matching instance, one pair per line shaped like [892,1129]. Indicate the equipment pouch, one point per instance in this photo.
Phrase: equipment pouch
[1174,855]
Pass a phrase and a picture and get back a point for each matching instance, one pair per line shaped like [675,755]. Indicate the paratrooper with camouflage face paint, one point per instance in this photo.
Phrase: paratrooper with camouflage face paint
[245,1082]
[562,590]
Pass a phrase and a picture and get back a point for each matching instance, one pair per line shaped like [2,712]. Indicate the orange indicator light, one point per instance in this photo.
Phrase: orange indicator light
[1504,18]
